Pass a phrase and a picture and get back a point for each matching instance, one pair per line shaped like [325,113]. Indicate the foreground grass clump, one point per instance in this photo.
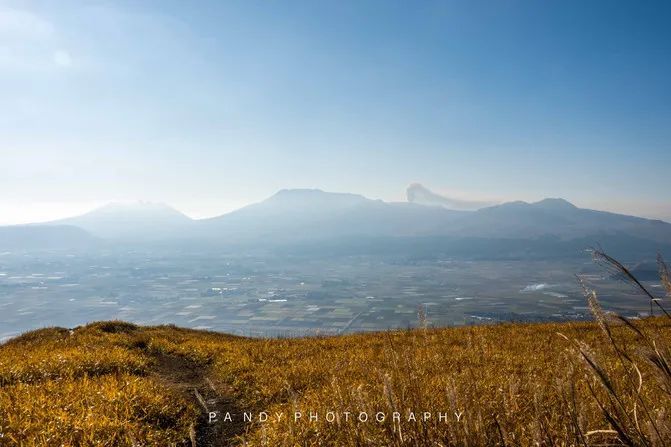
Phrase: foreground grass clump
[590,384]
[108,410]
[89,386]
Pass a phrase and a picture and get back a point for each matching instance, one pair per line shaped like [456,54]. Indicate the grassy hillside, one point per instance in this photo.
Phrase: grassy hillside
[114,383]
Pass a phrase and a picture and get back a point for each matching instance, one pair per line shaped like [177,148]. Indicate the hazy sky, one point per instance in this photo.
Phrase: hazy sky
[208,106]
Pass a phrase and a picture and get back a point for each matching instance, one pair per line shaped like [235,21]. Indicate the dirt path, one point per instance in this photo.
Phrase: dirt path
[193,382]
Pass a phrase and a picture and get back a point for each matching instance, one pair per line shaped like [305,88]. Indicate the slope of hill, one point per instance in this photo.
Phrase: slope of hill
[142,220]
[48,237]
[119,384]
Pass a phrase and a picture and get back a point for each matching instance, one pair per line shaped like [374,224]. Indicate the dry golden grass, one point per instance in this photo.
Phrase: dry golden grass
[117,409]
[86,387]
[510,385]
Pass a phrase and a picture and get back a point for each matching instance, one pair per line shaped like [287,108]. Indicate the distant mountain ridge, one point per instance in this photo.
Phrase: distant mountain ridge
[421,195]
[139,220]
[296,216]
[310,214]
[556,217]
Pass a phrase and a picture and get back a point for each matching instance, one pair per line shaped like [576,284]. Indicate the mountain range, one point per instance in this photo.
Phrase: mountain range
[312,216]
[135,221]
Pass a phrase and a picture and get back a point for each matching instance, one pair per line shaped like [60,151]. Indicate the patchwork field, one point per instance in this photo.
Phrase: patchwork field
[271,296]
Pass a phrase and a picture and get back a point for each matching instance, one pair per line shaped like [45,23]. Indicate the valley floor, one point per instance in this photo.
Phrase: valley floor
[114,383]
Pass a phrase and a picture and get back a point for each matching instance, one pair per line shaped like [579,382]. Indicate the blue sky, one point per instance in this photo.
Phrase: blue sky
[208,106]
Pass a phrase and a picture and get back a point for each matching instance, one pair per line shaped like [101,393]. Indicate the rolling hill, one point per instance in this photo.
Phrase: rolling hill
[115,383]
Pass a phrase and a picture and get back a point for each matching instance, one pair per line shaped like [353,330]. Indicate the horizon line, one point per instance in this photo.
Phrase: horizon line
[190,216]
